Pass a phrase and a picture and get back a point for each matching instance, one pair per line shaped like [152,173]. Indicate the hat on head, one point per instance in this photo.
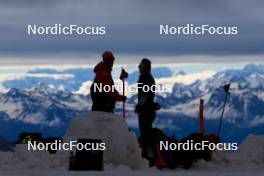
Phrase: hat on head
[146,61]
[108,55]
[145,66]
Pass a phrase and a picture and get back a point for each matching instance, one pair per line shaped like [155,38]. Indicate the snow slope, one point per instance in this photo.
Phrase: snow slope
[132,173]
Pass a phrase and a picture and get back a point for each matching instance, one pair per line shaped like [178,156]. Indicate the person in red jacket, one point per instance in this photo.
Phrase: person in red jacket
[102,100]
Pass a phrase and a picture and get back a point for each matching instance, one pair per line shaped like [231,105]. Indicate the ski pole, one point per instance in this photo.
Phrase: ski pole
[226,88]
[123,76]
[124,104]
[202,128]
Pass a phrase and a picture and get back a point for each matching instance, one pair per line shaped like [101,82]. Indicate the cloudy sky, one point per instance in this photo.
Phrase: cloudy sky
[132,31]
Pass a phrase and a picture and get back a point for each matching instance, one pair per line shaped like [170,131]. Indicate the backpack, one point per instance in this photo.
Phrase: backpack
[25,137]
[87,159]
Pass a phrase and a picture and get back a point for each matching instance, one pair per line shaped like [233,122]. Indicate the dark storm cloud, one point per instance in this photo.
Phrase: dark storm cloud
[133,27]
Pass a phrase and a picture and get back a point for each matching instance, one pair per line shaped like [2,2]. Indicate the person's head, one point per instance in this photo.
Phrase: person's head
[145,66]
[108,58]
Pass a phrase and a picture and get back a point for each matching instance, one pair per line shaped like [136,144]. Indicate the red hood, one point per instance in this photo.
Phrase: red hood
[103,75]
[101,67]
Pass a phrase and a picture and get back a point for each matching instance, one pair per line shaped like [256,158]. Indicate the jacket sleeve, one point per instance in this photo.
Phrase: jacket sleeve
[106,79]
[142,99]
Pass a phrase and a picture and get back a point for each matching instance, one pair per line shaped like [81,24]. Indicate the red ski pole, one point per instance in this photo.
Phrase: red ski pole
[202,128]
[124,104]
[123,76]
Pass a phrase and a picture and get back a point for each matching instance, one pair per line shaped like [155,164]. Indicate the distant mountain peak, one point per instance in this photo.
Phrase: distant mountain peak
[181,72]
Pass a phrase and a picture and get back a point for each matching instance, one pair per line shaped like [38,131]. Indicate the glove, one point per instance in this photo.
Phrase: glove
[156,106]
[123,74]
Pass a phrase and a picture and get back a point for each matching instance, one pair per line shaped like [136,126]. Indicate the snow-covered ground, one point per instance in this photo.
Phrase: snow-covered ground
[134,173]
[122,155]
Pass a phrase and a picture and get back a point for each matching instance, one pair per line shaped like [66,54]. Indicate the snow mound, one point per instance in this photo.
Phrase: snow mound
[122,147]
[24,159]
[251,151]
[249,156]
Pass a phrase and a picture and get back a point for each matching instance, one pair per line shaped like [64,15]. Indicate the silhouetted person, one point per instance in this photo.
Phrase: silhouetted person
[102,100]
[146,107]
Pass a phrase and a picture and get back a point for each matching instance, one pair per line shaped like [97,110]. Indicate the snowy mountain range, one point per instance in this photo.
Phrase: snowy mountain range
[41,105]
[245,103]
[40,108]
[47,108]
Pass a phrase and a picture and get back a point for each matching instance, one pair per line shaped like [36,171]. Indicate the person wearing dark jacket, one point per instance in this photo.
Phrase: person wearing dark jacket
[104,101]
[146,107]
